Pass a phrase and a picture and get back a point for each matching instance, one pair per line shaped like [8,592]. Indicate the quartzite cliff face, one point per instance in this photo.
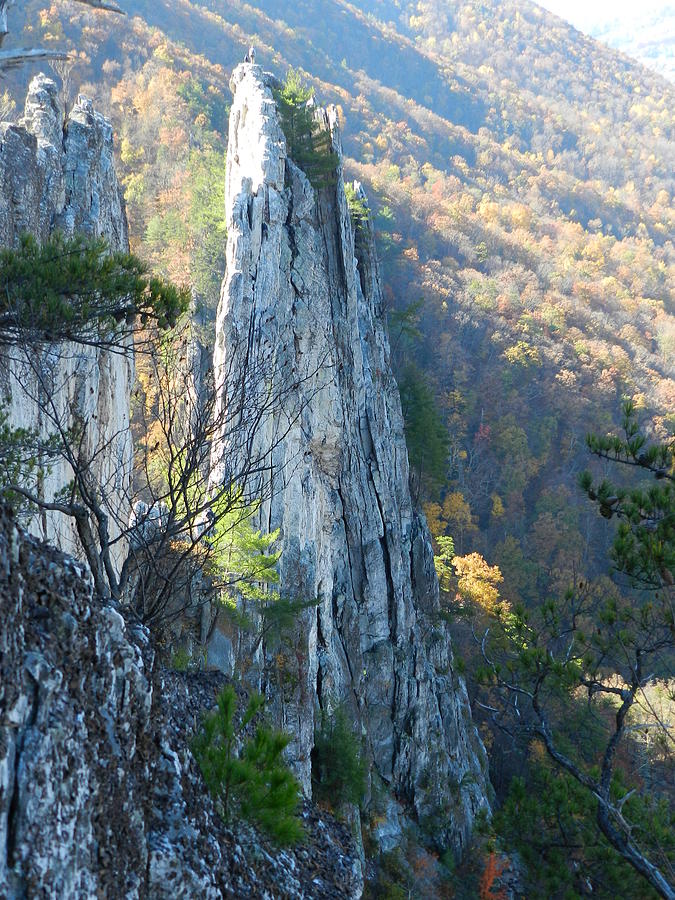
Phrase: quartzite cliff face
[301,312]
[99,793]
[60,175]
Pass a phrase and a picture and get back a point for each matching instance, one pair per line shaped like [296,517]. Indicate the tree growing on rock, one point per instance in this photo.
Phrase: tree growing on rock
[73,289]
[171,541]
[609,649]
[248,773]
[309,144]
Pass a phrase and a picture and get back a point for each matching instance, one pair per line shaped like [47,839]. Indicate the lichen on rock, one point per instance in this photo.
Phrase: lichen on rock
[301,300]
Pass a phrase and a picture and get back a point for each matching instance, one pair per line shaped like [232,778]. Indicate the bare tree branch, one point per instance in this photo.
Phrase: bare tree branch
[16,57]
[12,58]
[99,4]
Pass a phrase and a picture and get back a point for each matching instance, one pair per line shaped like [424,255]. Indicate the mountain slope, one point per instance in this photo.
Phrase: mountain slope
[523,176]
[647,33]
[649,38]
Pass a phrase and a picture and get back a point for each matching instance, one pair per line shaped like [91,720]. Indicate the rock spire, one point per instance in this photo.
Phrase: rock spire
[301,304]
[57,174]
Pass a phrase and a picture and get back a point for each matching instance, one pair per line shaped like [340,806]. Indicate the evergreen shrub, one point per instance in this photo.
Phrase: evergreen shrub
[339,767]
[309,145]
[255,778]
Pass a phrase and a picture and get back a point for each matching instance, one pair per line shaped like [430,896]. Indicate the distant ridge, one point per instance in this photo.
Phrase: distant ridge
[646,35]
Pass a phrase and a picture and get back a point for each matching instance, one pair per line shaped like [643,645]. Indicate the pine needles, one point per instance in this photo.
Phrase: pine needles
[249,774]
[309,144]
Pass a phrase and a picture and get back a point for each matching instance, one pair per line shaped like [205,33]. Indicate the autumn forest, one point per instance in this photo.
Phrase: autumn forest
[521,180]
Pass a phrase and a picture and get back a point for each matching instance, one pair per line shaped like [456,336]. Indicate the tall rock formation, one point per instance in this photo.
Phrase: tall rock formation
[99,793]
[301,314]
[57,174]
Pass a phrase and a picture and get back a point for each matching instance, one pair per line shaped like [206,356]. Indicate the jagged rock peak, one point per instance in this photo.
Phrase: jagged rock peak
[57,174]
[43,111]
[301,306]
[256,139]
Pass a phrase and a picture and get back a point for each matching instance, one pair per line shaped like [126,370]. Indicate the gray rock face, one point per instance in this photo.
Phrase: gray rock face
[301,312]
[67,732]
[56,175]
[65,169]
[99,794]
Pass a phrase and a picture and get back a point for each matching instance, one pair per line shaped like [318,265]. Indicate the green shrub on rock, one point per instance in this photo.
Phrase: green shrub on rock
[256,778]
[309,144]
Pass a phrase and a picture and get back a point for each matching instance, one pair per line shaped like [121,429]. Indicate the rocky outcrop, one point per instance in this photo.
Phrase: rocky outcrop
[60,175]
[99,794]
[57,174]
[301,314]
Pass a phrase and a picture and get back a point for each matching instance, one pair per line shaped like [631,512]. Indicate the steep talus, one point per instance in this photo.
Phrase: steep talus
[57,174]
[301,312]
[99,794]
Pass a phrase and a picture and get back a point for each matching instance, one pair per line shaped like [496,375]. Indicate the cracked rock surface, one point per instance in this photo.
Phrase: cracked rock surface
[301,312]
[99,794]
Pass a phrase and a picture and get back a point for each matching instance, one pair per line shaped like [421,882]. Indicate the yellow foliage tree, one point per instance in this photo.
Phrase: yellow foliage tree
[453,517]
[497,506]
[434,514]
[477,581]
[443,562]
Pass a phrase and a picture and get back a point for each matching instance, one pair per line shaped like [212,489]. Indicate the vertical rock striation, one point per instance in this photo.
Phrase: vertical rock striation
[60,175]
[301,313]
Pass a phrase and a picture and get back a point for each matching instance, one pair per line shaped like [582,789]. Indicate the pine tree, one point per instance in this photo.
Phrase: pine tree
[309,145]
[644,548]
[256,780]
[338,762]
[72,289]
[426,435]
[610,648]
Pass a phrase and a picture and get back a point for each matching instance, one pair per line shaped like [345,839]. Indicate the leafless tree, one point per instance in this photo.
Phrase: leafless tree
[17,56]
[153,547]
[64,69]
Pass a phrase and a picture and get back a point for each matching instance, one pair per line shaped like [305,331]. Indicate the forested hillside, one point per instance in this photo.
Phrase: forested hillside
[522,180]
[648,36]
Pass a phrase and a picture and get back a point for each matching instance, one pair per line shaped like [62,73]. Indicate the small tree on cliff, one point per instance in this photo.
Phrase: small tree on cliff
[75,290]
[309,144]
[608,649]
[69,299]
[249,771]
[188,540]
[426,435]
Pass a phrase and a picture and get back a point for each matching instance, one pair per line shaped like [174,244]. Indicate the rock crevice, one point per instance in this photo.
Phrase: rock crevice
[59,175]
[307,296]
